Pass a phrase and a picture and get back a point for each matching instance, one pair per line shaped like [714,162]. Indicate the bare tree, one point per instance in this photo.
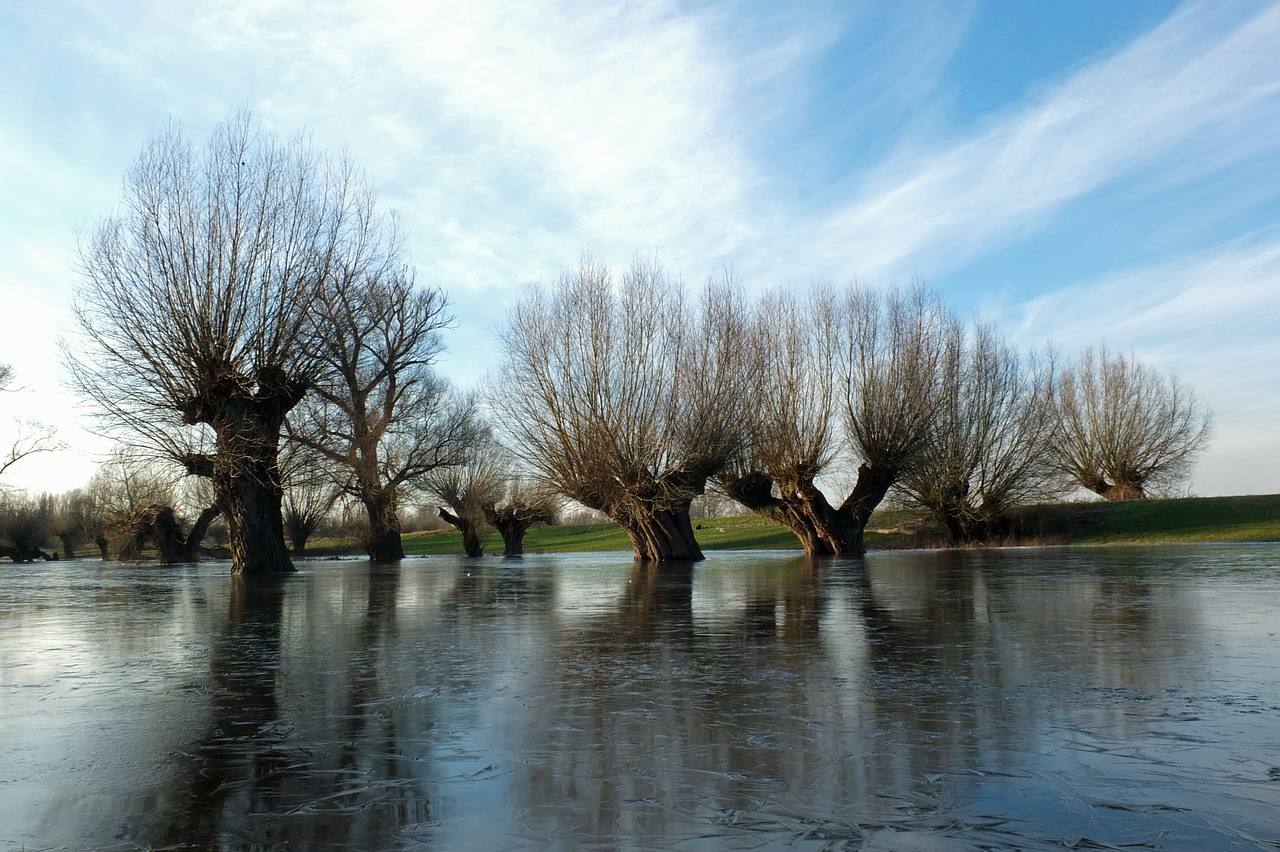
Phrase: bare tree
[309,494]
[991,440]
[483,492]
[76,519]
[198,302]
[138,502]
[1125,430]
[623,397]
[522,503]
[381,417]
[29,437]
[466,491]
[842,374]
[25,527]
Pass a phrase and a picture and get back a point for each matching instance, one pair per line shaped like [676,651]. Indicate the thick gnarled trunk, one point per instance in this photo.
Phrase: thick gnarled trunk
[246,467]
[512,522]
[385,544]
[173,547]
[661,535]
[255,526]
[470,532]
[823,529]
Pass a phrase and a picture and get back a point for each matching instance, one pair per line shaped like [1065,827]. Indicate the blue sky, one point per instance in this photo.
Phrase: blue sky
[1083,172]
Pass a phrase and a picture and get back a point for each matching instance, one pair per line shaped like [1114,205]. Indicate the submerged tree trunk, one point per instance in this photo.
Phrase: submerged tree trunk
[245,469]
[470,532]
[174,548]
[823,529]
[662,535]
[512,522]
[384,523]
[255,529]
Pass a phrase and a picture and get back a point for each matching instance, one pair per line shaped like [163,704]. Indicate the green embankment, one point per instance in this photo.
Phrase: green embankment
[1188,519]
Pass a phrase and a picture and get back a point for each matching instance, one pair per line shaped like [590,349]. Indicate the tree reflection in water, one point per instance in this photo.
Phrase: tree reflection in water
[1003,700]
[266,775]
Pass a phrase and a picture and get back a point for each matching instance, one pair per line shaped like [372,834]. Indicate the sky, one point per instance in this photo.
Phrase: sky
[1083,173]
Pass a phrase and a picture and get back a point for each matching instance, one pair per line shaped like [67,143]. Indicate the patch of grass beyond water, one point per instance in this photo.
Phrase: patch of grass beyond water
[1188,519]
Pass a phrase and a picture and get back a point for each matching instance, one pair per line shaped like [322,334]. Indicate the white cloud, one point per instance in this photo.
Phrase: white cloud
[1211,318]
[1199,92]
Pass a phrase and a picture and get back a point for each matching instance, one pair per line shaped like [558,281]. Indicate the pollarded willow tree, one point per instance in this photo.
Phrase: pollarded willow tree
[380,416]
[991,442]
[1123,429]
[837,375]
[198,304]
[625,398]
[487,490]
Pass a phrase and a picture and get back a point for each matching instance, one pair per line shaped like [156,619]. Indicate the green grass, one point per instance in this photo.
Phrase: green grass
[1189,519]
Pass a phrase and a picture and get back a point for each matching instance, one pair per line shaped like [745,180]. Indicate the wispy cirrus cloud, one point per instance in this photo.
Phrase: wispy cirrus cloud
[1211,318]
[1199,92]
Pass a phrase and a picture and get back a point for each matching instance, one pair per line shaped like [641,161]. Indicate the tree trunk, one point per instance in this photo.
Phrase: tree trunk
[69,541]
[199,530]
[168,537]
[512,522]
[661,536]
[384,524]
[103,545]
[255,529]
[245,468]
[823,529]
[1124,491]
[512,530]
[174,548]
[470,533]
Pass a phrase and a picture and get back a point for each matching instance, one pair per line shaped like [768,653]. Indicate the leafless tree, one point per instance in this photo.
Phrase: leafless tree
[139,502]
[25,527]
[76,519]
[380,416]
[522,503]
[466,490]
[484,492]
[839,375]
[991,441]
[626,398]
[198,303]
[28,437]
[1124,430]
[309,494]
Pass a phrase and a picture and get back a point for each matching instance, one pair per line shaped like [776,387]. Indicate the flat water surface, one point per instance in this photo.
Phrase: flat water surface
[1027,699]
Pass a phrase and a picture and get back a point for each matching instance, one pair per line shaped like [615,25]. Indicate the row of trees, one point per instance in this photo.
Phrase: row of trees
[249,313]
[633,402]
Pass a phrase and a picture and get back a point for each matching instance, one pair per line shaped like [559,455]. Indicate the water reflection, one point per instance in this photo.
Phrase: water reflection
[1013,700]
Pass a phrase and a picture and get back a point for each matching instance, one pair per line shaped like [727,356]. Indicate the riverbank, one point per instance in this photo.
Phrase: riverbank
[1178,520]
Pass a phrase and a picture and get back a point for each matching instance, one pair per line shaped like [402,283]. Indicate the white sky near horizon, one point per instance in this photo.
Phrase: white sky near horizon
[1082,173]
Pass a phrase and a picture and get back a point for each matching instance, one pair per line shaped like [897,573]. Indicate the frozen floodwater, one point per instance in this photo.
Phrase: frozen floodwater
[1026,699]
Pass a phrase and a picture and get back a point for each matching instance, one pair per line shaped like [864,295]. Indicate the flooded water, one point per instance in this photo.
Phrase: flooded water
[1027,699]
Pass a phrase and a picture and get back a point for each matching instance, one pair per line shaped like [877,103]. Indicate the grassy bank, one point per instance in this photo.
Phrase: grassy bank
[1189,519]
